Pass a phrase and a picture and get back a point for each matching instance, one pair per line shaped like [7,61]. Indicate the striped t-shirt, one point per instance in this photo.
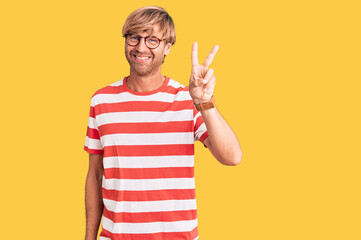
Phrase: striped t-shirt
[147,142]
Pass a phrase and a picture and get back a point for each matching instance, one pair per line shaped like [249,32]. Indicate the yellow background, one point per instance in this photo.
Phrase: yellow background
[288,83]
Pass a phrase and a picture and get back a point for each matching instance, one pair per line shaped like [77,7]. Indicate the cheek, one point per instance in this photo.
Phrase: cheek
[127,49]
[160,53]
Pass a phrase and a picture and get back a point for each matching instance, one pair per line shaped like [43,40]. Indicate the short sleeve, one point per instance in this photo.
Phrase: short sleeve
[200,129]
[92,139]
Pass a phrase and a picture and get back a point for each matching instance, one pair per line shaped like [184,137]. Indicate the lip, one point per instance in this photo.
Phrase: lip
[139,58]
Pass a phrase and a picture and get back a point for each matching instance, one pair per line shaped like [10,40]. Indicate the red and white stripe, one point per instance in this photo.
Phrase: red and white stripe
[147,142]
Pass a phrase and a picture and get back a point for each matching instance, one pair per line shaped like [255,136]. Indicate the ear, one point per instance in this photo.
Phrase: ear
[167,48]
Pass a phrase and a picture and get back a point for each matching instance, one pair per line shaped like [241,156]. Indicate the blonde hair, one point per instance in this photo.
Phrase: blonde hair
[144,19]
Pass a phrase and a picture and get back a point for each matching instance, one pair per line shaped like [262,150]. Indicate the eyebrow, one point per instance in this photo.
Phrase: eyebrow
[138,35]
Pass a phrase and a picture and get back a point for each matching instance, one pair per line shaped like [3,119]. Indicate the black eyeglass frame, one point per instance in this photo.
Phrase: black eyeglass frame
[145,40]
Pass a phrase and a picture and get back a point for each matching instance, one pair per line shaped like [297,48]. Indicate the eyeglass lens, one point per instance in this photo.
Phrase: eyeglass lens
[151,41]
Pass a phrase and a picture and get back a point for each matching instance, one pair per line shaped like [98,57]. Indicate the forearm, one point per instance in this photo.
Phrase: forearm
[224,143]
[221,140]
[93,205]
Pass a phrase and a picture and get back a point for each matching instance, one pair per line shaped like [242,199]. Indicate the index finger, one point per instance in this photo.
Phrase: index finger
[195,54]
[210,56]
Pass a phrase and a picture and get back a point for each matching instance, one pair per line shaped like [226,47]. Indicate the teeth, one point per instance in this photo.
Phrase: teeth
[143,58]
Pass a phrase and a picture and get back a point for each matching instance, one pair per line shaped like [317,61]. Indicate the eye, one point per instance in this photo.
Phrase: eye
[153,40]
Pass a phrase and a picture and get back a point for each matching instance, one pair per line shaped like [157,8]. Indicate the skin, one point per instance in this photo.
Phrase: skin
[221,140]
[93,196]
[145,75]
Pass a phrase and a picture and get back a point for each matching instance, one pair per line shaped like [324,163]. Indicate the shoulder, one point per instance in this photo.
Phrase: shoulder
[174,83]
[113,88]
[110,88]
[177,88]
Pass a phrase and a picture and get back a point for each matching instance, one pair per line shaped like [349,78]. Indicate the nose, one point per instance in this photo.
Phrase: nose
[141,47]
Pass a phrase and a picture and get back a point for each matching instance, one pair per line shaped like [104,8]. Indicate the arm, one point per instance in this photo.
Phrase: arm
[93,196]
[221,140]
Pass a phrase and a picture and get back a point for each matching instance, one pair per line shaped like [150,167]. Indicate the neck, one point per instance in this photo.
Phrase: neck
[145,83]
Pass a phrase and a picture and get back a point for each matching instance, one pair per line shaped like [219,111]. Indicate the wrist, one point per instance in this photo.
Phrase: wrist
[90,237]
[197,101]
[202,106]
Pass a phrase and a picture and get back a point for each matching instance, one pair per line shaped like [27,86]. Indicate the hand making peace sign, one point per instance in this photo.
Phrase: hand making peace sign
[202,81]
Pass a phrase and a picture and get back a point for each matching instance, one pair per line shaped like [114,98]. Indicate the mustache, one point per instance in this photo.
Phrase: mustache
[139,54]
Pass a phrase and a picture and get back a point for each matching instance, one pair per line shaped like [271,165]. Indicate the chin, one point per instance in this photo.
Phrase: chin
[141,72]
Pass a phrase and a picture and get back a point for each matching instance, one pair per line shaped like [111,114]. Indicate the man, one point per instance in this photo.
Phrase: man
[140,140]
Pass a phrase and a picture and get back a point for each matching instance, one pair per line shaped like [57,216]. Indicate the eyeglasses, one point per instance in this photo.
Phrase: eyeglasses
[150,41]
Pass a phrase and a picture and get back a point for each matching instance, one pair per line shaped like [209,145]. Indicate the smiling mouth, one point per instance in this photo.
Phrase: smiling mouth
[142,58]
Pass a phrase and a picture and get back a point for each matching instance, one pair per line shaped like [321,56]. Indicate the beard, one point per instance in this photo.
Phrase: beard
[143,69]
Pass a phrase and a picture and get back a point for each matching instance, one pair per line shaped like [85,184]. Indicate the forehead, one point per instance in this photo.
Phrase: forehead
[155,31]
